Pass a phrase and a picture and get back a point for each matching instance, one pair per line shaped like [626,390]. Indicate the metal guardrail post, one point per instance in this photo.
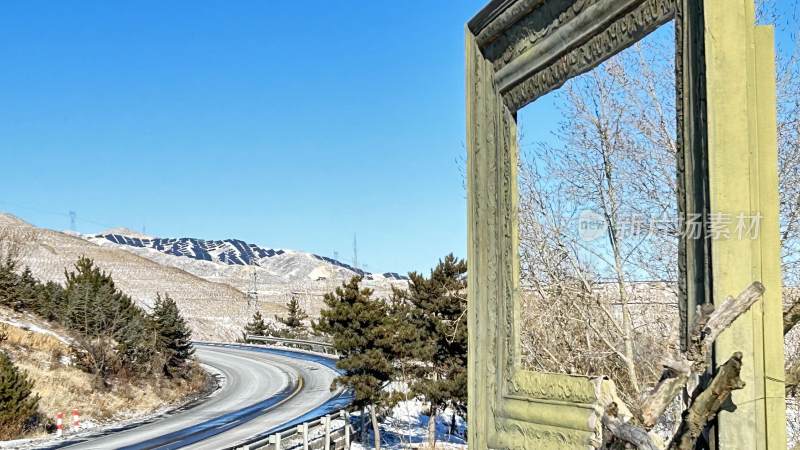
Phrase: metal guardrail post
[346,418]
[277,441]
[327,425]
[305,436]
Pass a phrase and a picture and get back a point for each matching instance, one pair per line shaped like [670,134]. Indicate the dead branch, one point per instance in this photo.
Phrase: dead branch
[708,404]
[673,380]
[726,314]
[792,378]
[709,323]
[791,316]
[626,432]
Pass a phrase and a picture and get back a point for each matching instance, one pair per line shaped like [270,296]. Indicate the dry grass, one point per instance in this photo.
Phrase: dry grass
[63,387]
[40,342]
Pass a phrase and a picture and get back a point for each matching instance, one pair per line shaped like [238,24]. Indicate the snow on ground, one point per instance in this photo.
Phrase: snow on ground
[89,428]
[28,325]
[407,427]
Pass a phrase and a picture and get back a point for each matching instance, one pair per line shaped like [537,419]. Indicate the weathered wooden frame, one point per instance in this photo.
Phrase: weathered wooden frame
[519,50]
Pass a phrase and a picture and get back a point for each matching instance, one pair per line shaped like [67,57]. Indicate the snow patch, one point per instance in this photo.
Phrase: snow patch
[406,426]
[32,327]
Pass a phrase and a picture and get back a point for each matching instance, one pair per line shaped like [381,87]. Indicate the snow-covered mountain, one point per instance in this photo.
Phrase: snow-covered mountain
[270,275]
[218,284]
[228,251]
[213,310]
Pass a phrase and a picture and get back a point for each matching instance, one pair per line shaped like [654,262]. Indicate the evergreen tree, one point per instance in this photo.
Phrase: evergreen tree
[50,303]
[257,327]
[94,304]
[139,346]
[89,314]
[362,333]
[9,283]
[111,325]
[294,318]
[17,404]
[175,338]
[437,310]
[27,290]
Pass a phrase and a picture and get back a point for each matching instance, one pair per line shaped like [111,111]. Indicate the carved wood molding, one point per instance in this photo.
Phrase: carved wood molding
[536,46]
[518,50]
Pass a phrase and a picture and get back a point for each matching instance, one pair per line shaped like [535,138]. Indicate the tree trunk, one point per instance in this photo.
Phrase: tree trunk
[364,426]
[610,209]
[432,427]
[376,429]
[453,423]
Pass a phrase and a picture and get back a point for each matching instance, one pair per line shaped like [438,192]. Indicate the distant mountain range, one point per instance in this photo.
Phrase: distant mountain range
[228,251]
[218,284]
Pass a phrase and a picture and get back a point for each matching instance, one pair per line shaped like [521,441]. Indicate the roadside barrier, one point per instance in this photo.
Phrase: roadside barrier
[59,424]
[74,425]
[314,435]
[303,344]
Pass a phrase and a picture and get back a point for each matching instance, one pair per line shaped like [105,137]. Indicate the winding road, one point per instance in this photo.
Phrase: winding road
[263,389]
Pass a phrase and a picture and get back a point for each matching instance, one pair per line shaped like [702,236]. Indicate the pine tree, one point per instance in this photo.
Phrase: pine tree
[9,283]
[109,322]
[50,303]
[17,404]
[95,305]
[175,338]
[438,313]
[85,273]
[257,327]
[362,333]
[294,318]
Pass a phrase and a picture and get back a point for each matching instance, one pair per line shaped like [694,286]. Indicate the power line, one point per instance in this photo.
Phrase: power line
[36,210]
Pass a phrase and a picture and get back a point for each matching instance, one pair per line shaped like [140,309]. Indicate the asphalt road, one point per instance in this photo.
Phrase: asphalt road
[261,391]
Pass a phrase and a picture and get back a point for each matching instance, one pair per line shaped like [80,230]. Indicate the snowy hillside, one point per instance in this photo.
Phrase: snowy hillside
[213,310]
[274,274]
[228,251]
[213,281]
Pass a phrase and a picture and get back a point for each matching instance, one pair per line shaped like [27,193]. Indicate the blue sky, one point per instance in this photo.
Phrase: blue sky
[289,124]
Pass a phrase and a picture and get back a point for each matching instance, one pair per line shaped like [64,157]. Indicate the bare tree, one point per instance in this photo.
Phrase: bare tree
[612,169]
[614,155]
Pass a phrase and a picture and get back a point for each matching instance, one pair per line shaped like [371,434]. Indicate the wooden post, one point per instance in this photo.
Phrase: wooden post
[327,424]
[346,418]
[742,145]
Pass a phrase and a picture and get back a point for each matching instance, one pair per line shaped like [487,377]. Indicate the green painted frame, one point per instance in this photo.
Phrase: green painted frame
[519,50]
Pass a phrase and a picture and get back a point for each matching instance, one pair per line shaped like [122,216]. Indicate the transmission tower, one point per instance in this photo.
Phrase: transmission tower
[303,296]
[252,294]
[72,219]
